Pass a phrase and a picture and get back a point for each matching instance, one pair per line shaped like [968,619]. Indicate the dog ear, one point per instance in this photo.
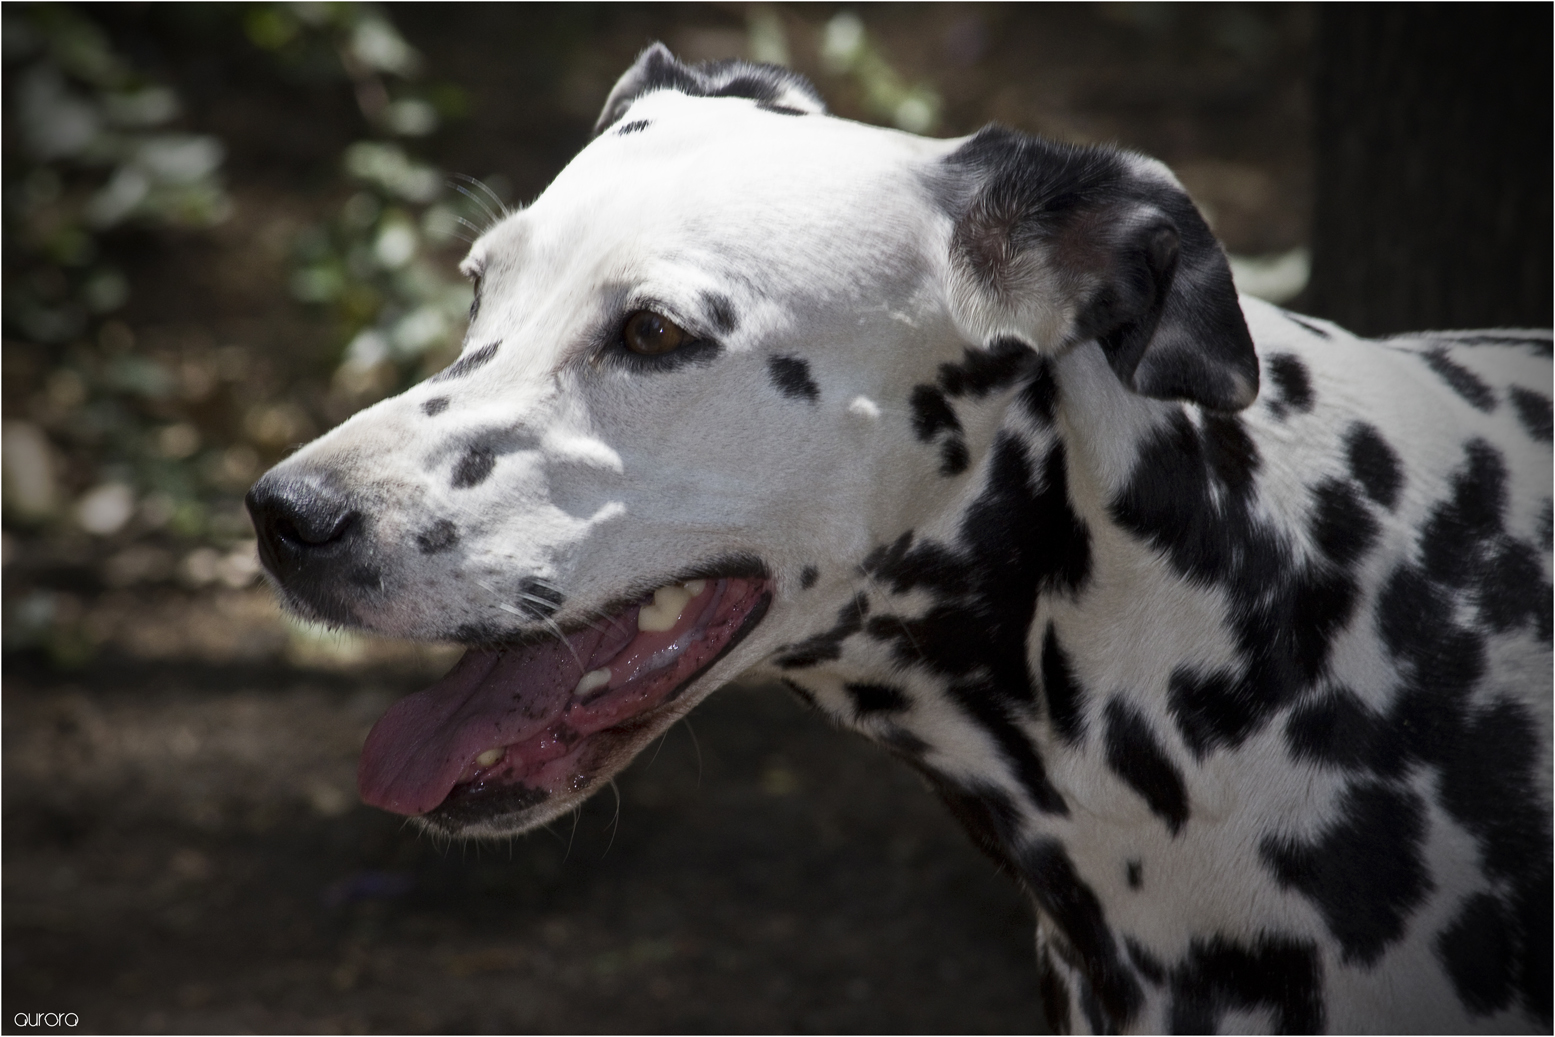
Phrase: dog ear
[770,86]
[1056,244]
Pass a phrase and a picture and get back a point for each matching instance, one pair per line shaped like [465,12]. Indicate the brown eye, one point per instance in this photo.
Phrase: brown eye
[651,334]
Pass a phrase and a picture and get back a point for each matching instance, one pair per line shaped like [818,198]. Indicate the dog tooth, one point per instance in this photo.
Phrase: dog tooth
[591,680]
[489,757]
[695,587]
[664,613]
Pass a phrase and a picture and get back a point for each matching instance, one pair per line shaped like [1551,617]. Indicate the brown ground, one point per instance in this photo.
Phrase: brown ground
[186,854]
[183,849]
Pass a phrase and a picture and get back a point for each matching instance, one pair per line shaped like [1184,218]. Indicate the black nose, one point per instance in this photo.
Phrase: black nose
[300,520]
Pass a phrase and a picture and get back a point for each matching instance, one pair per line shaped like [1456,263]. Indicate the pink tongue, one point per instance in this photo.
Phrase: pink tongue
[417,752]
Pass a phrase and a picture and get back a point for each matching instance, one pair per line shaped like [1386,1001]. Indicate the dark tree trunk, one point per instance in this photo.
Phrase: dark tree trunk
[1433,179]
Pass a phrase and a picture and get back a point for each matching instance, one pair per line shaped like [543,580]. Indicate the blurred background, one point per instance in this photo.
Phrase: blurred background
[228,227]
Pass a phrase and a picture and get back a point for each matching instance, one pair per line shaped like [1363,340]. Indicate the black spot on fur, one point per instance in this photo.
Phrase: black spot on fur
[1337,730]
[1039,396]
[1074,907]
[981,371]
[1535,341]
[435,406]
[471,361]
[1134,755]
[1533,904]
[791,375]
[1374,464]
[1464,548]
[1054,993]
[779,109]
[1016,540]
[1461,380]
[1489,784]
[1407,610]
[657,69]
[931,413]
[1219,975]
[876,698]
[720,310]
[1019,538]
[808,575]
[1292,384]
[1512,590]
[1365,872]
[1065,696]
[1415,617]
[1498,947]
[998,721]
[474,467]
[1316,329]
[439,536]
[827,646]
[954,457]
[1134,872]
[635,126]
[1170,499]
[1342,528]
[1190,496]
[1145,963]
[1095,1015]
[1479,950]
[1533,410]
[1471,517]
[1212,709]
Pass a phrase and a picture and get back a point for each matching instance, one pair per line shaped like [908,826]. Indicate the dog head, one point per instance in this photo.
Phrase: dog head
[686,410]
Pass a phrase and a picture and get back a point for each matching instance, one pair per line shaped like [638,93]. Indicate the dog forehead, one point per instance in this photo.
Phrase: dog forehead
[721,175]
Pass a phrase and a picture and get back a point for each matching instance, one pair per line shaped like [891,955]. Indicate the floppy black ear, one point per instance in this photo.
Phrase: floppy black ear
[770,86]
[1056,244]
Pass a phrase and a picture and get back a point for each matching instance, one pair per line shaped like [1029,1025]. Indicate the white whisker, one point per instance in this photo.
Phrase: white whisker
[615,822]
[491,215]
[502,207]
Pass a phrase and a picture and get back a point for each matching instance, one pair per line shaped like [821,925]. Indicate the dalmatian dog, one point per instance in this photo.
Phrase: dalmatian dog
[1225,631]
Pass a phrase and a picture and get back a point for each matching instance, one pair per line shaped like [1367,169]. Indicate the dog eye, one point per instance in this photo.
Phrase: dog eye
[652,334]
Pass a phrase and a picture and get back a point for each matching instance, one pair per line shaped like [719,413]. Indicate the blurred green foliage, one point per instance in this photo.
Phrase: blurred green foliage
[377,266]
[93,153]
[130,446]
[848,50]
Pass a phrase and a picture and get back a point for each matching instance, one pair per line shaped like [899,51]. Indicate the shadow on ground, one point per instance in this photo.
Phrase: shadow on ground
[185,853]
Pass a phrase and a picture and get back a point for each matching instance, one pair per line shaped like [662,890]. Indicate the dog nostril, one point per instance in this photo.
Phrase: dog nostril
[315,533]
[296,515]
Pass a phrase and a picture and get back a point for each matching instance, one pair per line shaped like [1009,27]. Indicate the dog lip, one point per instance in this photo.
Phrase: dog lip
[727,567]
[503,807]
[521,700]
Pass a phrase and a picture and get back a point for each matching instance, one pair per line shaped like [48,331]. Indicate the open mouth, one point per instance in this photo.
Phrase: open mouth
[508,728]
